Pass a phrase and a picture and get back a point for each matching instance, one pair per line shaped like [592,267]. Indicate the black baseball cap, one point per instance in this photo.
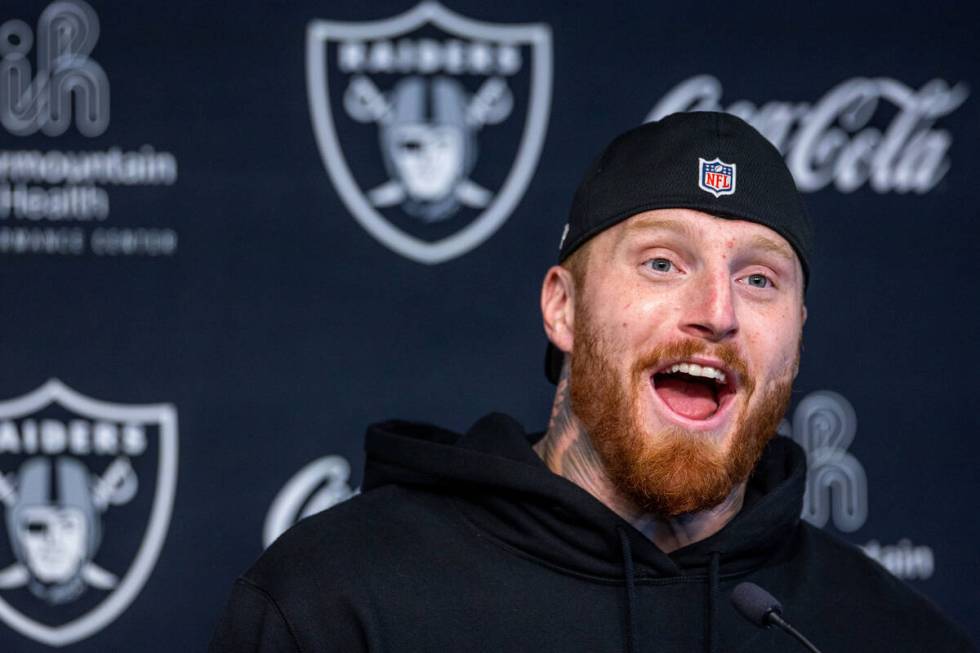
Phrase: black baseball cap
[707,161]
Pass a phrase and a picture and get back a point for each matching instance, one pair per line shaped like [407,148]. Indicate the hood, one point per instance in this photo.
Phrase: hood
[504,489]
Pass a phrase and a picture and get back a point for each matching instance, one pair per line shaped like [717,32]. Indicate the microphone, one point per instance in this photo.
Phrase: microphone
[762,609]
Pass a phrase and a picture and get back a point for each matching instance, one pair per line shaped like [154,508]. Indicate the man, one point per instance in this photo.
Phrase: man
[675,320]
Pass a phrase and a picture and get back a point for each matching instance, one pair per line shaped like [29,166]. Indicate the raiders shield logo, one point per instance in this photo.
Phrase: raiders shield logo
[86,489]
[430,124]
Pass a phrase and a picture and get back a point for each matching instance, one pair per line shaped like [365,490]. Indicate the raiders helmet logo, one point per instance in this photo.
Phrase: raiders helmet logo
[76,473]
[430,124]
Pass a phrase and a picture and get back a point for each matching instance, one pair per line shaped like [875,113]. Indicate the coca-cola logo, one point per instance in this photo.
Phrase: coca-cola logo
[842,138]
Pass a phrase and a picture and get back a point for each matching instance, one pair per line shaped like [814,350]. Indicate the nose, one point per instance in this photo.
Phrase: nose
[710,308]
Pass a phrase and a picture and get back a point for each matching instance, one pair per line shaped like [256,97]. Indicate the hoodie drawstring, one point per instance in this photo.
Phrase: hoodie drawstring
[710,645]
[628,572]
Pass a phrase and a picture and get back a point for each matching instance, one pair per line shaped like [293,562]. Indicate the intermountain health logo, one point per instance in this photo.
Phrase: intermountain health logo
[824,425]
[87,489]
[55,195]
[42,99]
[430,124]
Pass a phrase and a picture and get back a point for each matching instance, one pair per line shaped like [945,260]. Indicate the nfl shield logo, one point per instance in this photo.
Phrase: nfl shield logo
[716,177]
[86,492]
[429,123]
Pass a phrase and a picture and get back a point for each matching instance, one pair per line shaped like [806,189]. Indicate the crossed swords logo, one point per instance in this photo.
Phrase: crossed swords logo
[491,104]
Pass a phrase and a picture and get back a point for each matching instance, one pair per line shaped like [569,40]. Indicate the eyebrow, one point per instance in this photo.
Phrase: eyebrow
[771,246]
[758,241]
[661,224]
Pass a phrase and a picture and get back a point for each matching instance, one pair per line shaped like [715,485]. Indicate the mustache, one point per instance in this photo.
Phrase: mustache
[684,349]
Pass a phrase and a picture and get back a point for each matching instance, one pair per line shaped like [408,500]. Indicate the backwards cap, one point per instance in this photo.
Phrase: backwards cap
[707,161]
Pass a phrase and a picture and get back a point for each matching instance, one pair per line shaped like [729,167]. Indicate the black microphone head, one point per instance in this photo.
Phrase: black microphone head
[755,603]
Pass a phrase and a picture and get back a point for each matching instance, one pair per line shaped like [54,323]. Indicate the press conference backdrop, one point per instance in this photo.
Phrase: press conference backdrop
[232,235]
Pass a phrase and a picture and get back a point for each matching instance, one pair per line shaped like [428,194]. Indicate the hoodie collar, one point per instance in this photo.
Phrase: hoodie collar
[502,487]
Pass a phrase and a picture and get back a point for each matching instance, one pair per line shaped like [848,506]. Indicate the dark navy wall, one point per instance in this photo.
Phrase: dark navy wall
[205,265]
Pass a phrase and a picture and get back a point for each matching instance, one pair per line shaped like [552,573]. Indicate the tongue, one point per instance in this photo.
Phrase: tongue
[688,398]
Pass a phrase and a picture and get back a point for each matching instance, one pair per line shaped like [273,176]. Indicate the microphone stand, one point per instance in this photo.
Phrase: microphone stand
[773,617]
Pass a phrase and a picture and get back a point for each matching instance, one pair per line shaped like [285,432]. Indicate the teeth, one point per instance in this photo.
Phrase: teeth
[698,370]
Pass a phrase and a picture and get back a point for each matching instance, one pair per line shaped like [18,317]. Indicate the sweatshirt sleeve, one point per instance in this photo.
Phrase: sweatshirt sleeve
[252,623]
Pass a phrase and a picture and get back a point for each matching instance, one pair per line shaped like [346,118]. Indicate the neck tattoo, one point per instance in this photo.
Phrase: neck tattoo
[567,451]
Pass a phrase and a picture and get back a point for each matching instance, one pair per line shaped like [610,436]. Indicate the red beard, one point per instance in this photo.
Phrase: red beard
[674,471]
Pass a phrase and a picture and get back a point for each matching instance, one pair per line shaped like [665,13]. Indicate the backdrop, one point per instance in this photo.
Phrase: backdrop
[234,235]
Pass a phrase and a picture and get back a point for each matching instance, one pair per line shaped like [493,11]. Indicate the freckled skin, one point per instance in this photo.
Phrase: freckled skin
[721,287]
[706,297]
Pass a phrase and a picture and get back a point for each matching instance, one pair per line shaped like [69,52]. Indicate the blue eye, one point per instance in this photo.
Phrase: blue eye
[758,281]
[660,265]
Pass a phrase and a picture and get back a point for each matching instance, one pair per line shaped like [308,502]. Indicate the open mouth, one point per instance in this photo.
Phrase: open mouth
[694,391]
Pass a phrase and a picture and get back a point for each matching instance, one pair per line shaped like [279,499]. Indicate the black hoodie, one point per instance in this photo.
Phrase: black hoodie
[469,543]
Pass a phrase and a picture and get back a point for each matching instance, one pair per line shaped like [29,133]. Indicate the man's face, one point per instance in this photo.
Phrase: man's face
[686,342]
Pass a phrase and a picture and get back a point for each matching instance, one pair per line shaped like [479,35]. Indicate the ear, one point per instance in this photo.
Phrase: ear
[804,314]
[558,307]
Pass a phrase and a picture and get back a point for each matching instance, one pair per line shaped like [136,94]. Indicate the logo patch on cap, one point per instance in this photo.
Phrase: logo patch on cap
[716,177]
